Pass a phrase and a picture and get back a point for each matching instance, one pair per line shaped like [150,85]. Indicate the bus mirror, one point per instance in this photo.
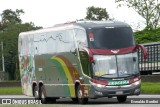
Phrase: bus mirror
[143,49]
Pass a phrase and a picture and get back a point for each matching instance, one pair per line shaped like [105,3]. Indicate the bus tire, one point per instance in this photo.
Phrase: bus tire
[121,99]
[36,94]
[51,100]
[81,100]
[43,98]
[75,100]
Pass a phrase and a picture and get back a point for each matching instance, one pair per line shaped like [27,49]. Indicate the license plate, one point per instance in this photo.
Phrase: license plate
[119,92]
[118,82]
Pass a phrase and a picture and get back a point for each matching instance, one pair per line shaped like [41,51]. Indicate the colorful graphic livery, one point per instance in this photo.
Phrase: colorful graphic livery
[80,60]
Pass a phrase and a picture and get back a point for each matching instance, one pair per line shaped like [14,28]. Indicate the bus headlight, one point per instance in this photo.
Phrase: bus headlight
[99,85]
[137,82]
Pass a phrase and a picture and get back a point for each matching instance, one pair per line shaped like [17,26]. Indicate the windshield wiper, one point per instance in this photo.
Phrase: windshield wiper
[105,75]
[129,74]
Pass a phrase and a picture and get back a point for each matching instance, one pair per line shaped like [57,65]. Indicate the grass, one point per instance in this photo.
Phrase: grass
[150,88]
[10,90]
[38,105]
[11,81]
[19,105]
[30,105]
[146,88]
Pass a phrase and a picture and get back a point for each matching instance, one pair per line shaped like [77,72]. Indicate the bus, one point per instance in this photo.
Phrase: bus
[80,60]
[152,63]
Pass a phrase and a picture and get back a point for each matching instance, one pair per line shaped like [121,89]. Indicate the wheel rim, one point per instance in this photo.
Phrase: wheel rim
[42,96]
[36,94]
[79,94]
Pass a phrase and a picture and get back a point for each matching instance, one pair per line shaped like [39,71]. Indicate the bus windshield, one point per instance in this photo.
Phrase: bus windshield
[115,65]
[111,38]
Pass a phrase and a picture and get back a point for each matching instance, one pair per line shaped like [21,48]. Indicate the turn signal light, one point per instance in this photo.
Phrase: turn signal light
[134,80]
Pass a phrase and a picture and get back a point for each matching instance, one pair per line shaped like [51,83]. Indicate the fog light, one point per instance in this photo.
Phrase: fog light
[98,93]
[137,91]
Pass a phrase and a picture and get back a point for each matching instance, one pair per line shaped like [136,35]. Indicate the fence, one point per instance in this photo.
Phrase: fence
[152,63]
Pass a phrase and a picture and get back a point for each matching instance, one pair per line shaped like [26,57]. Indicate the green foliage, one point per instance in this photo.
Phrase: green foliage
[96,13]
[10,17]
[150,88]
[148,9]
[9,35]
[146,36]
[28,105]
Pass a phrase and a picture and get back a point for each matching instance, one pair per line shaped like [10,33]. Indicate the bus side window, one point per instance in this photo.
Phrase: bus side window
[31,47]
[42,44]
[36,44]
[69,41]
[51,46]
[81,38]
[25,46]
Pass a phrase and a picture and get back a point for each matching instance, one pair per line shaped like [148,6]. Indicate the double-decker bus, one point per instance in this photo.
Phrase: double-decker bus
[80,60]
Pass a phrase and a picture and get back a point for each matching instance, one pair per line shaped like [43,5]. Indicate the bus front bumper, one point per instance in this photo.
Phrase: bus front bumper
[111,91]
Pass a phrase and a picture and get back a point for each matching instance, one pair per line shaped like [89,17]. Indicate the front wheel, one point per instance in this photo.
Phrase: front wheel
[121,99]
[75,100]
[79,94]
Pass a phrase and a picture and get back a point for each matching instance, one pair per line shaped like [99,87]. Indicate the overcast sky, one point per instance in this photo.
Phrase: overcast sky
[47,13]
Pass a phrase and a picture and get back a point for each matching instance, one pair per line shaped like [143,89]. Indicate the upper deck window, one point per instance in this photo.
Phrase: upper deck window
[110,38]
[81,38]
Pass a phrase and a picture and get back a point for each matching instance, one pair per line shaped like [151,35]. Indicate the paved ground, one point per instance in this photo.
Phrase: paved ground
[24,96]
[102,102]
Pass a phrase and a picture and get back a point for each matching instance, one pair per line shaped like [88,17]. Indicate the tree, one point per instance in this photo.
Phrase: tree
[10,40]
[9,35]
[148,9]
[10,17]
[147,36]
[96,13]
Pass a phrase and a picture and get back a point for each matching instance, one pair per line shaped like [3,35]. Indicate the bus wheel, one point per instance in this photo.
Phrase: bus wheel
[36,94]
[75,100]
[42,95]
[121,99]
[51,100]
[81,100]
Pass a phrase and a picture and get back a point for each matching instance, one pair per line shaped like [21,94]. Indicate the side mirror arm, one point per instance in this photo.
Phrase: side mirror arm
[90,54]
[143,49]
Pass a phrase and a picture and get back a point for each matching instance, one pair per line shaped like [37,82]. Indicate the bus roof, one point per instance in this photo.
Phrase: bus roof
[101,24]
[82,24]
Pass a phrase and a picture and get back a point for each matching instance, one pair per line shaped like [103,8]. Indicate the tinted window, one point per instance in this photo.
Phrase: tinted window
[111,38]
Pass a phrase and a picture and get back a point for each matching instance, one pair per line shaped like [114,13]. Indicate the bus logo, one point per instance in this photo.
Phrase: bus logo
[115,51]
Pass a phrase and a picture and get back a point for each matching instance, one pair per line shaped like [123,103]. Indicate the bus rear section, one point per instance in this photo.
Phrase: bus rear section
[80,60]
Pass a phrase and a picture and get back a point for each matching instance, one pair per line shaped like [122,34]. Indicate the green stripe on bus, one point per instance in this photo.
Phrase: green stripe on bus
[63,76]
